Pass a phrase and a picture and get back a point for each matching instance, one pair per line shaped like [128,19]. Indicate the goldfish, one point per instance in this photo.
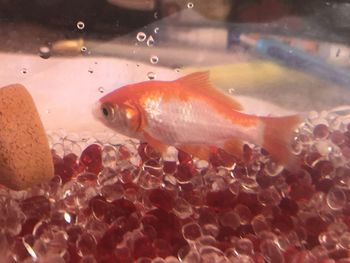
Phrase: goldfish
[192,115]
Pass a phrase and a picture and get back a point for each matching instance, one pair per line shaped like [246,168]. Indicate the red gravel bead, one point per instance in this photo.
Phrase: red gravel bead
[71,160]
[337,137]
[184,158]
[283,223]
[321,131]
[289,206]
[63,170]
[91,158]
[28,226]
[247,153]
[300,192]
[191,231]
[147,152]
[315,225]
[184,173]
[169,167]
[251,201]
[162,248]
[36,207]
[324,185]
[143,248]
[162,199]
[110,239]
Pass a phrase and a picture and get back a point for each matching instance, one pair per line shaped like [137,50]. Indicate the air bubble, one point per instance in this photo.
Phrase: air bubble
[154,59]
[141,36]
[156,30]
[83,49]
[90,71]
[150,41]
[190,5]
[151,75]
[80,25]
[101,89]
[24,71]
[44,52]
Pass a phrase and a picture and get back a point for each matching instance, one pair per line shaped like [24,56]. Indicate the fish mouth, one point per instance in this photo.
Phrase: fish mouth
[96,111]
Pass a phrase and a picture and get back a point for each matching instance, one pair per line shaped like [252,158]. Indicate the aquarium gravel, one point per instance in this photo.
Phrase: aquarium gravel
[123,202]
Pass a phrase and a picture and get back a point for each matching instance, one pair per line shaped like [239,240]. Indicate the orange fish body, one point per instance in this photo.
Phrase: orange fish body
[190,114]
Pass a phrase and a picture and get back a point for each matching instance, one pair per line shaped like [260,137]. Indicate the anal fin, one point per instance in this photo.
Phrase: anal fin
[202,152]
[234,147]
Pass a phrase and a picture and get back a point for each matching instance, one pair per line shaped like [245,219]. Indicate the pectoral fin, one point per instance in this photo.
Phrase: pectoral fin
[156,144]
[234,147]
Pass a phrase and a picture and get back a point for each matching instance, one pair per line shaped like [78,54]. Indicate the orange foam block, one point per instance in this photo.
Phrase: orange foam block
[25,157]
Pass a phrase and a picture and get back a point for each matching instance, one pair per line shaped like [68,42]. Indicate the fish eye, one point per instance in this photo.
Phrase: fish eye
[105,112]
[108,110]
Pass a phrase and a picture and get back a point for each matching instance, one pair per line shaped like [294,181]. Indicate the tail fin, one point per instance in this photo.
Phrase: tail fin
[278,135]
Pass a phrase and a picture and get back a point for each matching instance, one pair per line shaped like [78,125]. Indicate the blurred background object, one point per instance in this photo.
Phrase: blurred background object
[128,15]
[144,5]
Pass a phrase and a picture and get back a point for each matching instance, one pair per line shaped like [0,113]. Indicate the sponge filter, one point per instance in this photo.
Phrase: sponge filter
[25,157]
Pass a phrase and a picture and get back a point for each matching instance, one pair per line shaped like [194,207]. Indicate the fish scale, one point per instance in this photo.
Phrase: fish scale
[171,121]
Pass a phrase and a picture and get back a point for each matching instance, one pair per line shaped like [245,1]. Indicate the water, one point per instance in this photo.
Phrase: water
[113,198]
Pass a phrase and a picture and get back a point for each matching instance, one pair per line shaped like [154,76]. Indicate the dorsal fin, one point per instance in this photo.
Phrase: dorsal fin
[201,82]
[197,80]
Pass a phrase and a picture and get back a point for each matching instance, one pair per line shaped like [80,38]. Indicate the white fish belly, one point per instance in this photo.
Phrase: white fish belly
[179,122]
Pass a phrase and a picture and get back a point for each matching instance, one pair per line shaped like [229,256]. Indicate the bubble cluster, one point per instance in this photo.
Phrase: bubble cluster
[120,201]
